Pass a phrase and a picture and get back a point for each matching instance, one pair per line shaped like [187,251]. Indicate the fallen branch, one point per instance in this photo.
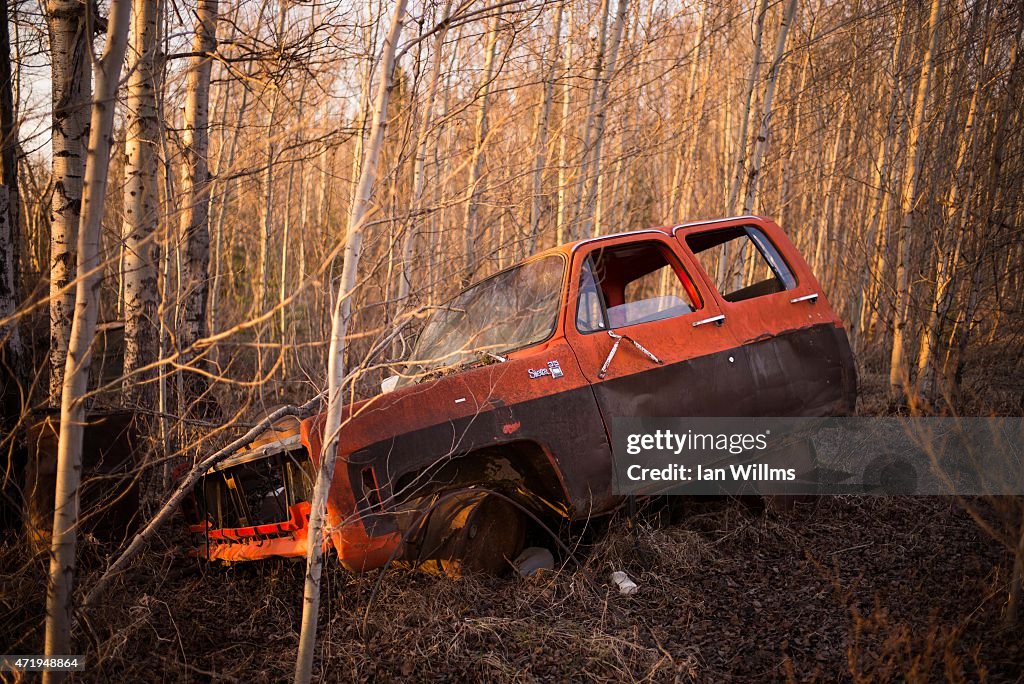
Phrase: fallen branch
[198,471]
[139,541]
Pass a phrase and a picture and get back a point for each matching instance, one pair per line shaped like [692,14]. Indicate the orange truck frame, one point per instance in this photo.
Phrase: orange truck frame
[512,388]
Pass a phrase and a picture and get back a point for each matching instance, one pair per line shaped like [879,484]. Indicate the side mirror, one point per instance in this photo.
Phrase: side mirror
[389,384]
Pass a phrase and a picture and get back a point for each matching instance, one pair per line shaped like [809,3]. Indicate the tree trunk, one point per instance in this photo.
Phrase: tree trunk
[140,208]
[477,161]
[12,352]
[70,80]
[83,329]
[195,191]
[336,354]
[540,146]
[601,118]
[899,380]
[561,235]
[420,163]
[755,68]
[754,179]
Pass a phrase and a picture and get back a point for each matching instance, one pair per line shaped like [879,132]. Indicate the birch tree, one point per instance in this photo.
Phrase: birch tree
[477,157]
[543,124]
[754,176]
[600,116]
[195,189]
[12,353]
[420,162]
[71,85]
[336,353]
[898,373]
[83,329]
[140,209]
[748,92]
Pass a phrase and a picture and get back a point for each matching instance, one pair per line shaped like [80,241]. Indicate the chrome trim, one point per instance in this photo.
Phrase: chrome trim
[717,220]
[714,319]
[645,231]
[806,298]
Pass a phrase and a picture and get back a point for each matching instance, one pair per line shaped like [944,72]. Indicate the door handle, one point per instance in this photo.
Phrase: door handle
[806,298]
[719,319]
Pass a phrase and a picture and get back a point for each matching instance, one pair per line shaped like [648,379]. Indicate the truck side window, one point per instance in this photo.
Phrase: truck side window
[629,284]
[742,262]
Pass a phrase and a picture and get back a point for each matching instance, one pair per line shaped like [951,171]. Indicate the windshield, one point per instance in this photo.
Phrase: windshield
[510,310]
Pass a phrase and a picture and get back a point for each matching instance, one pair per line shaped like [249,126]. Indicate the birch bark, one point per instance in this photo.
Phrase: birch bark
[540,147]
[195,191]
[83,329]
[898,373]
[336,354]
[71,84]
[754,176]
[477,160]
[601,117]
[140,210]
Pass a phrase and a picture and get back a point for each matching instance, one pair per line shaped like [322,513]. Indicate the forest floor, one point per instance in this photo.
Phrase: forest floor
[846,588]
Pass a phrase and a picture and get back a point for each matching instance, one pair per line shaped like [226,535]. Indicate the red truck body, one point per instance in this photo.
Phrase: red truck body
[728,320]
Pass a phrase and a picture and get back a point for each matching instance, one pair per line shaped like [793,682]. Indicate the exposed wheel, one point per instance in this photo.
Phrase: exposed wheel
[472,532]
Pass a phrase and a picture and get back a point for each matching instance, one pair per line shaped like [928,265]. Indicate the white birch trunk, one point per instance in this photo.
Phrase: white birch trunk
[898,373]
[477,161]
[754,176]
[195,177]
[588,123]
[70,80]
[563,142]
[601,118]
[336,354]
[140,208]
[83,329]
[755,68]
[947,259]
[195,191]
[541,130]
[420,163]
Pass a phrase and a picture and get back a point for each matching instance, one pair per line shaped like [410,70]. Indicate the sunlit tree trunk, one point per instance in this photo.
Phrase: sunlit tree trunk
[561,234]
[540,137]
[420,162]
[476,162]
[748,93]
[12,352]
[140,207]
[898,373]
[83,329]
[754,176]
[600,111]
[336,354]
[953,228]
[195,191]
[70,82]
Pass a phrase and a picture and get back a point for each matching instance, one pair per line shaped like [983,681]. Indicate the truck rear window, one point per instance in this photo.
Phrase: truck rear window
[741,262]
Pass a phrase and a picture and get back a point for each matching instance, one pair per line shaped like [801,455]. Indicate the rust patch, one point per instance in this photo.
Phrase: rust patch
[509,428]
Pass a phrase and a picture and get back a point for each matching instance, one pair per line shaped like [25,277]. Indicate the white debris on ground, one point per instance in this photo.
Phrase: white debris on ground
[532,560]
[627,587]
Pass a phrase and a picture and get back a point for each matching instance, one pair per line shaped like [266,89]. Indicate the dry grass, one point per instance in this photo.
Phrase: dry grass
[854,588]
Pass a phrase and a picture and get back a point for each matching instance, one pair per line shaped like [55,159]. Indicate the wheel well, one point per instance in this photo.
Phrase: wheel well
[520,468]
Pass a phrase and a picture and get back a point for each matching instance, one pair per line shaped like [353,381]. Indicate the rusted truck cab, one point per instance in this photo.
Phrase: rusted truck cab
[512,387]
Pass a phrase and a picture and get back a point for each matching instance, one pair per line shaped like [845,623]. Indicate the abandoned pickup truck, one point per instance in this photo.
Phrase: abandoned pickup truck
[500,416]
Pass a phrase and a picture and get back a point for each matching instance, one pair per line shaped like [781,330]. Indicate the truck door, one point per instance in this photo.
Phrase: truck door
[799,357]
[648,335]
